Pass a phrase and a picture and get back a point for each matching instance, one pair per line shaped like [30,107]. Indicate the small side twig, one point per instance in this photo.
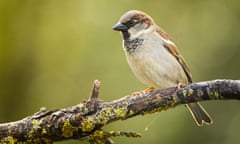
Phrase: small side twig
[85,121]
[95,90]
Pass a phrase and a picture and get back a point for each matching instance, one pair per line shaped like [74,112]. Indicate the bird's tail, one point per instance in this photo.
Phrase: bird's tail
[199,114]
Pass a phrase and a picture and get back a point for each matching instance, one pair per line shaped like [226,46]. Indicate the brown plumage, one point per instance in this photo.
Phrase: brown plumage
[154,58]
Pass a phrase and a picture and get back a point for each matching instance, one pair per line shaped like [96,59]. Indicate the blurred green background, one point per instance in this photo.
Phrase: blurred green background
[52,50]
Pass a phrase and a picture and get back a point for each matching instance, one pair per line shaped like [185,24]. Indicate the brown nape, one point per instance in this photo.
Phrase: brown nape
[143,18]
[162,33]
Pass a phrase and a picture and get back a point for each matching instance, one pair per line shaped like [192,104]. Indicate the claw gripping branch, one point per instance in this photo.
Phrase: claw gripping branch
[85,121]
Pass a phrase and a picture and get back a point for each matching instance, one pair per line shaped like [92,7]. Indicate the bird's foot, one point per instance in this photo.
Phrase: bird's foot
[148,90]
[180,86]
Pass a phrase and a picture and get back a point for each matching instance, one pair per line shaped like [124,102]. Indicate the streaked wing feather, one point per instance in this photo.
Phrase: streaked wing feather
[173,49]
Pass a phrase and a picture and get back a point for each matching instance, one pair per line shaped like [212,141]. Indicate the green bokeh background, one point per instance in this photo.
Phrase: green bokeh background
[52,50]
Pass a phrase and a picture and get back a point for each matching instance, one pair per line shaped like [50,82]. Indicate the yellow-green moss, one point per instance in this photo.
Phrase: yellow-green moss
[174,101]
[216,95]
[88,124]
[104,115]
[184,93]
[97,137]
[153,111]
[171,104]
[44,131]
[37,141]
[109,113]
[9,140]
[36,124]
[100,137]
[131,112]
[190,92]
[121,112]
[68,129]
[111,132]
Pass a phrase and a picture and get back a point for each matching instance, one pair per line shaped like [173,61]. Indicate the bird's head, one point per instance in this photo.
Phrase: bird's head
[132,23]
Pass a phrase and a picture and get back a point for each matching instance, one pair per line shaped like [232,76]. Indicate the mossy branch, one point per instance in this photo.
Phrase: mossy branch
[85,121]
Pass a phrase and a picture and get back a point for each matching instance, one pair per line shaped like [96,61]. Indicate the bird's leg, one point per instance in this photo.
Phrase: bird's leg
[180,85]
[150,89]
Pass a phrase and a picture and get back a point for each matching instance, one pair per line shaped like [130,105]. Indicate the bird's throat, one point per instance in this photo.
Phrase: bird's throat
[131,45]
[125,34]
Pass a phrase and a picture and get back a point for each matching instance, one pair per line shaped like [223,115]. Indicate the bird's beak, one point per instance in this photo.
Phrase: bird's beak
[120,27]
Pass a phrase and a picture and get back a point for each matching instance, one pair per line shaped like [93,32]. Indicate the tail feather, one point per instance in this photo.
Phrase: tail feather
[199,114]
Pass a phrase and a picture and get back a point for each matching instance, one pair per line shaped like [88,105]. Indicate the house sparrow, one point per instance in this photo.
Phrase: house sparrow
[154,58]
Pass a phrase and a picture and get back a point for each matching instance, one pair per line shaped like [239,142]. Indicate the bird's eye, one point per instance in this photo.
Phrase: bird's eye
[131,23]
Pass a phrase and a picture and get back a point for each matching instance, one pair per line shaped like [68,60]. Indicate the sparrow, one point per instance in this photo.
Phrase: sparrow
[154,58]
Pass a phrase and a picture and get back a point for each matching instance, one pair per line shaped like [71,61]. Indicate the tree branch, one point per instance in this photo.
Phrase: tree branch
[86,120]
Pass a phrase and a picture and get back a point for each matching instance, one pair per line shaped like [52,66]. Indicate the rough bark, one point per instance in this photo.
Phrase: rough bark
[85,120]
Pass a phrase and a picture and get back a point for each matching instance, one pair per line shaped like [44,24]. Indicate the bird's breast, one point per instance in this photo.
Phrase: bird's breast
[154,65]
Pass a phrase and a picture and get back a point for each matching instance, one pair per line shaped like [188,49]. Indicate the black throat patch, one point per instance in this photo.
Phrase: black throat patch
[131,45]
